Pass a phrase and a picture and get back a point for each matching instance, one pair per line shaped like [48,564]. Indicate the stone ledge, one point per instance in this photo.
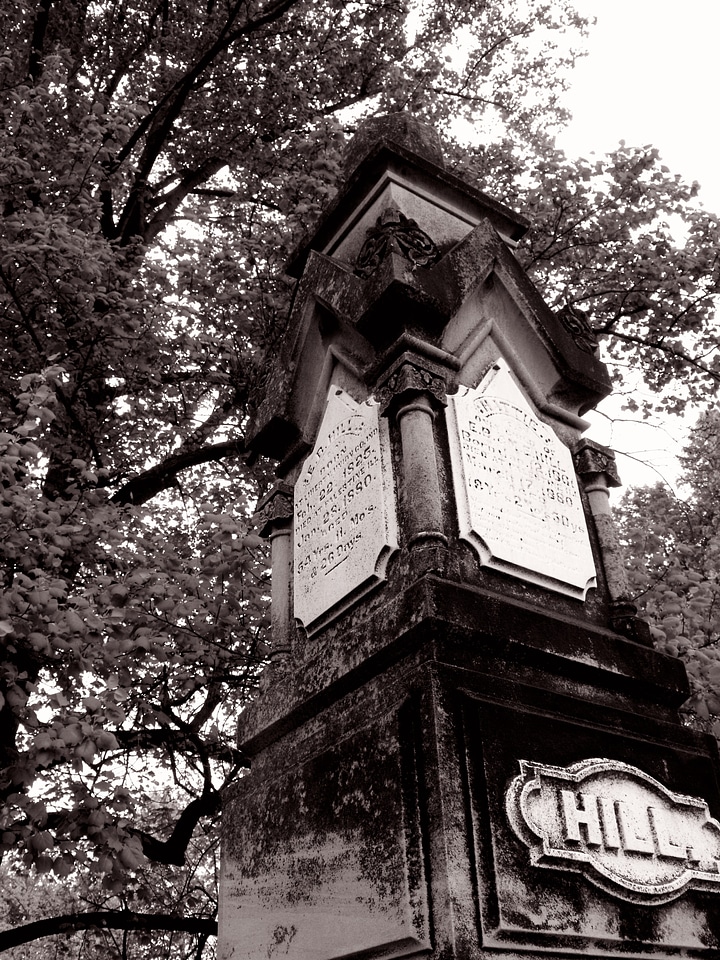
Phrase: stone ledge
[477,631]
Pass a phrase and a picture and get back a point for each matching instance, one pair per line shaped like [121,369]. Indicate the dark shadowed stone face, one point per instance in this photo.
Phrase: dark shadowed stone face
[398,128]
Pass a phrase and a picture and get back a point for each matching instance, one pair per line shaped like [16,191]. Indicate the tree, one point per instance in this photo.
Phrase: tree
[158,162]
[606,245]
[623,247]
[673,548]
[142,920]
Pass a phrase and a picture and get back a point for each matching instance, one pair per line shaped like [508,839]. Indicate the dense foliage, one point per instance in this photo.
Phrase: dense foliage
[673,546]
[158,162]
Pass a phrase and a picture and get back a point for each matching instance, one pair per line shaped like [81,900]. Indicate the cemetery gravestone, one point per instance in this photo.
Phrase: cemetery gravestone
[465,746]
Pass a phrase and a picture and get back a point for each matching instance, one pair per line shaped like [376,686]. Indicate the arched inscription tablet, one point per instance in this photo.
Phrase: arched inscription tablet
[345,524]
[515,486]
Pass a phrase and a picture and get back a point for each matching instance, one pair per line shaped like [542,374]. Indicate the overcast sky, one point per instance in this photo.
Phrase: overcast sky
[652,76]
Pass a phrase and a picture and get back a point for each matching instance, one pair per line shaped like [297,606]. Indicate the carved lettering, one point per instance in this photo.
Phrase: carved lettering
[576,817]
[626,832]
[662,827]
[622,826]
[517,494]
[344,509]
[611,831]
[635,828]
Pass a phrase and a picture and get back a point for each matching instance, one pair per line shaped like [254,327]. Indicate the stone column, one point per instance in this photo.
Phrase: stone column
[596,467]
[274,517]
[421,483]
[412,393]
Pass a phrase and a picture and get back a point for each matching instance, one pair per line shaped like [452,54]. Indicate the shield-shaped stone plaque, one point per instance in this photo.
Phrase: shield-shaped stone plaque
[345,526]
[515,487]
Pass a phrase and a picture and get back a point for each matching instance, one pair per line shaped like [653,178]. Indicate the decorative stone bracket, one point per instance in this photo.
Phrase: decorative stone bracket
[408,377]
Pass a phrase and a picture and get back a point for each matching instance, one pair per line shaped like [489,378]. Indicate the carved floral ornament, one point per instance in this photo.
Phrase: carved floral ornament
[593,458]
[393,228]
[578,326]
[618,826]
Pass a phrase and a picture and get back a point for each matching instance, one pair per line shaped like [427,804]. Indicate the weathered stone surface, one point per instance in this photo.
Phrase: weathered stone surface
[515,487]
[377,825]
[345,522]
[324,859]
[481,632]
[274,510]
[402,168]
[626,832]
[443,303]
[547,909]
[408,377]
[399,128]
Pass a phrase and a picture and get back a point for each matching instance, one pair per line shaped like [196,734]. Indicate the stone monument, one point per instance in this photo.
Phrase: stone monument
[465,745]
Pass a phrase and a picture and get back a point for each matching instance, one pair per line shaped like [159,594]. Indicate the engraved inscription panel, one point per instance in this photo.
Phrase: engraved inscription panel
[627,833]
[516,490]
[345,525]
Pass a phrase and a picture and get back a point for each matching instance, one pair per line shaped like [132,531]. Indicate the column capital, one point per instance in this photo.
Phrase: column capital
[275,510]
[409,377]
[593,459]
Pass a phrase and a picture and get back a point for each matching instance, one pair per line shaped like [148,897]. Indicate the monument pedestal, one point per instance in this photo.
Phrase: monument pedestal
[376,819]
[465,745]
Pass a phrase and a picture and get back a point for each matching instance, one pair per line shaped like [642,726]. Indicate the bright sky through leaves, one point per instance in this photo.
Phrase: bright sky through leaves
[652,75]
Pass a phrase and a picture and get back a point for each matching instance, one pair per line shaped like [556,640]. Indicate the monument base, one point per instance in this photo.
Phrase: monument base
[437,799]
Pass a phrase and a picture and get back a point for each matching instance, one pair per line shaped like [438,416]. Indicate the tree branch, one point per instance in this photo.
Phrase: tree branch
[156,126]
[172,200]
[148,484]
[37,44]
[173,850]
[670,351]
[24,316]
[158,737]
[105,920]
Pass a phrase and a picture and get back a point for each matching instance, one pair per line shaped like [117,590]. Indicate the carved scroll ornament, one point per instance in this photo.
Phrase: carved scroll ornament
[393,228]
